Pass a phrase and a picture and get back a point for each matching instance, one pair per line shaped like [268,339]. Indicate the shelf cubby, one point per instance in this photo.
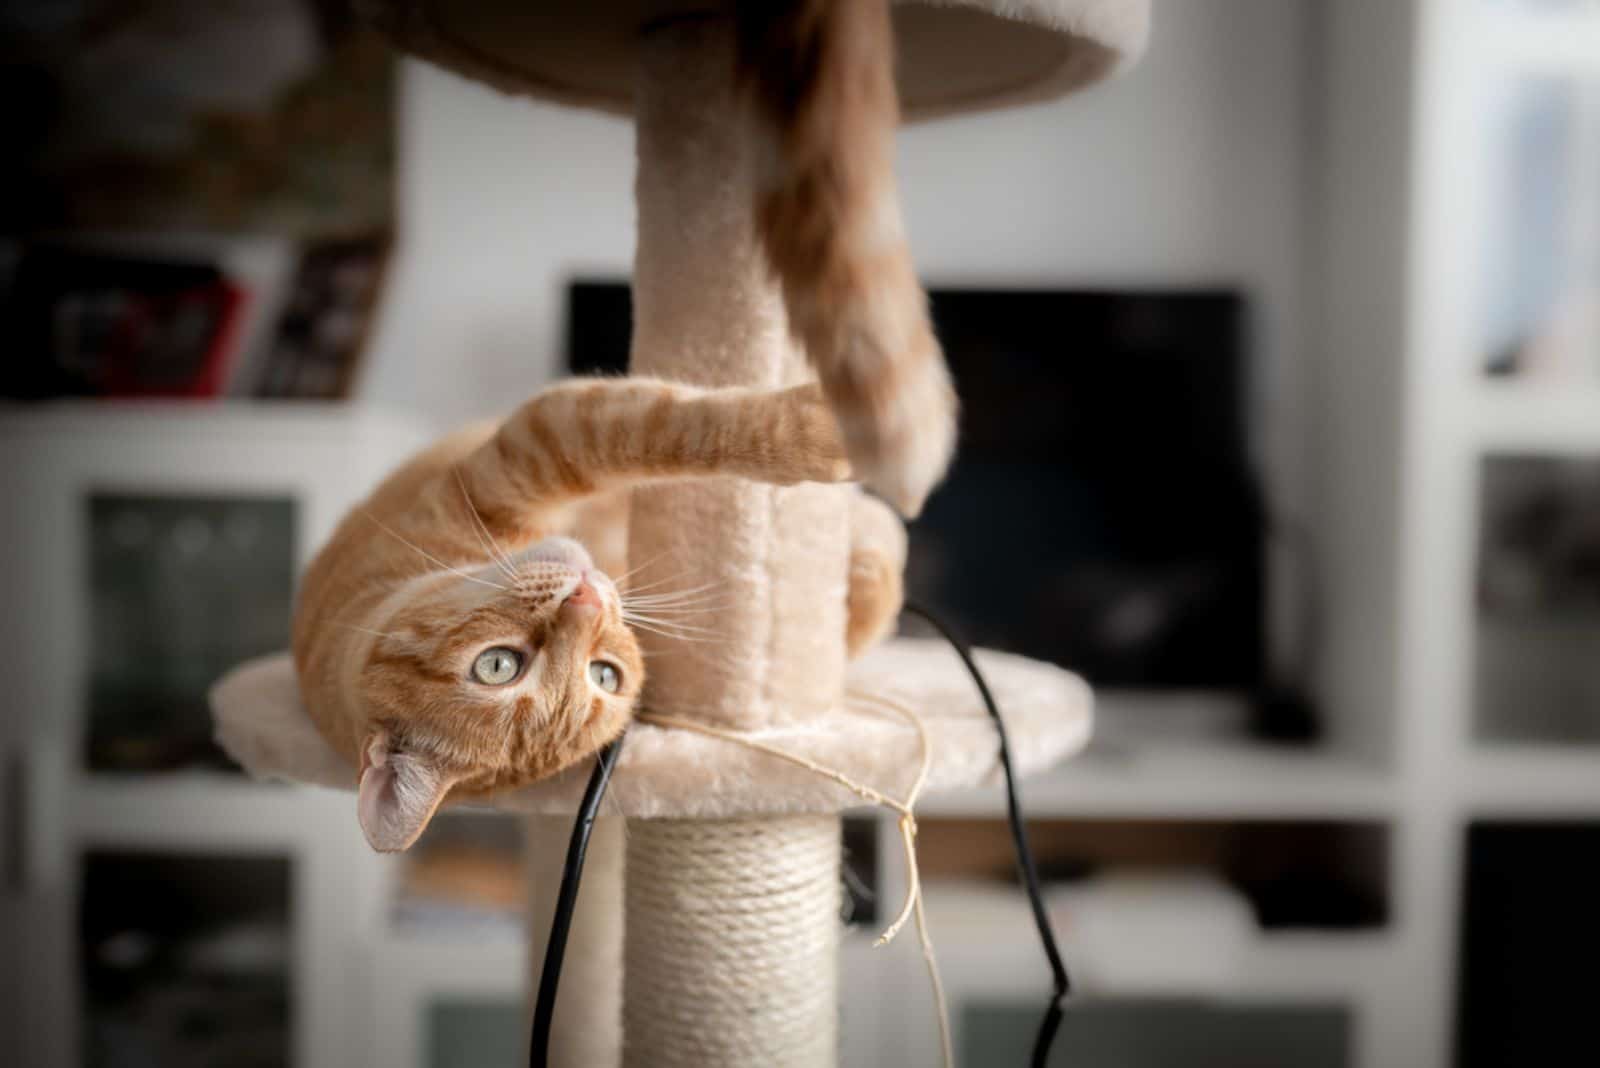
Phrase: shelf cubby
[1538,601]
[1156,1033]
[186,960]
[1529,938]
[463,880]
[182,587]
[1295,875]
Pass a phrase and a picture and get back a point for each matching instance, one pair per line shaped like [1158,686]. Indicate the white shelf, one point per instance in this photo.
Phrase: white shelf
[991,928]
[298,419]
[433,965]
[1241,780]
[1544,417]
[1532,780]
[1317,964]
[1559,42]
[211,809]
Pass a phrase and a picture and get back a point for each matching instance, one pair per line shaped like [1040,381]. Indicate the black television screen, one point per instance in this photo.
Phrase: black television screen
[1102,512]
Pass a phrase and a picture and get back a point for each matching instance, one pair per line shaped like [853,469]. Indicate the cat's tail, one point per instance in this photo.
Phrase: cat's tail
[822,75]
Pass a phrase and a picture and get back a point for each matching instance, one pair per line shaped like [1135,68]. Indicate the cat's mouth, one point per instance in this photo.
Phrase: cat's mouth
[581,574]
[562,551]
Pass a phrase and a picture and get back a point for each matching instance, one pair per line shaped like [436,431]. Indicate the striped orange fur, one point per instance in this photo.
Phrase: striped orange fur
[464,550]
[822,76]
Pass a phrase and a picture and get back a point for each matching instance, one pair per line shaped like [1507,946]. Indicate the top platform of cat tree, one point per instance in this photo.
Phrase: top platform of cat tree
[952,55]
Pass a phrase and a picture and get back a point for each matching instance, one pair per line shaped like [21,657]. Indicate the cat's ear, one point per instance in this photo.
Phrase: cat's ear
[398,795]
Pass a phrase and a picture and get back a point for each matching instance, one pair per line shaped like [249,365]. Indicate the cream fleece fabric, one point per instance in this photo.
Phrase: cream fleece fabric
[707,310]
[953,55]
[262,724]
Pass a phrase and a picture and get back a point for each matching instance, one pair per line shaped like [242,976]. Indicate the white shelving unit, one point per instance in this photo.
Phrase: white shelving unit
[1520,417]
[1410,146]
[1402,145]
[52,457]
[1495,781]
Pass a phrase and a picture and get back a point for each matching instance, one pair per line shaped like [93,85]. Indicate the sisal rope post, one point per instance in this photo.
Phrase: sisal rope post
[732,949]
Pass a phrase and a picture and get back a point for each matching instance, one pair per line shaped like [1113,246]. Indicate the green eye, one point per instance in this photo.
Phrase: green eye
[605,675]
[497,666]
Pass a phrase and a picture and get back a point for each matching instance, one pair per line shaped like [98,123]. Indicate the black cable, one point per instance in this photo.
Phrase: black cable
[1019,841]
[583,827]
[555,950]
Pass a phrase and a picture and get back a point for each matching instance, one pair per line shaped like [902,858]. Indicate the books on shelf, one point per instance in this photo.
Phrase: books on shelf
[197,317]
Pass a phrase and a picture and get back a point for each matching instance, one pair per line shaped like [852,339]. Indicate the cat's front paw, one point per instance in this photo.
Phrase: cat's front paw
[811,448]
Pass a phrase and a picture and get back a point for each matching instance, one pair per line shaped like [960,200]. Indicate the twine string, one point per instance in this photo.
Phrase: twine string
[912,906]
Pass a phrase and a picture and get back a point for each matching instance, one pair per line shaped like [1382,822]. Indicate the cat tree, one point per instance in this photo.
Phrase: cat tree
[707,933]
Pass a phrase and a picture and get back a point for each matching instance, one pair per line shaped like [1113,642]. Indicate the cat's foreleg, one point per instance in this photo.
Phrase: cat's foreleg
[589,436]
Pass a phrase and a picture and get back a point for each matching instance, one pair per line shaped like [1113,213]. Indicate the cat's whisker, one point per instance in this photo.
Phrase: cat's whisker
[616,810]
[701,639]
[676,619]
[572,731]
[592,745]
[677,636]
[675,595]
[672,596]
[658,557]
[676,598]
[676,609]
[652,589]
[434,559]
[485,538]
[653,606]
[367,630]
[668,581]
[635,617]
[664,628]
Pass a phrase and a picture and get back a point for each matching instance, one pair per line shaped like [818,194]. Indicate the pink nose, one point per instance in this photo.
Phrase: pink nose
[584,598]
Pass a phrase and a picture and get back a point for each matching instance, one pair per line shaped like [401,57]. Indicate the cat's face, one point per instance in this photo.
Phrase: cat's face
[485,682]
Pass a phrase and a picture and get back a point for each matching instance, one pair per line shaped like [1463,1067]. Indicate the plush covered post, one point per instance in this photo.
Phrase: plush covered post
[706,310]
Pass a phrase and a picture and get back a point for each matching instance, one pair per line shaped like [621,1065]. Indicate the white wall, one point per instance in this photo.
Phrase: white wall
[501,201]
[1188,170]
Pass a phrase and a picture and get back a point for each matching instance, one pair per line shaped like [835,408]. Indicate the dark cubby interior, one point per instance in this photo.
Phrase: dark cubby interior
[1163,1033]
[1530,937]
[185,960]
[181,589]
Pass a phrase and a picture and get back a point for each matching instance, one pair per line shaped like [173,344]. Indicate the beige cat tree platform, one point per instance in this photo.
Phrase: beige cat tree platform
[707,934]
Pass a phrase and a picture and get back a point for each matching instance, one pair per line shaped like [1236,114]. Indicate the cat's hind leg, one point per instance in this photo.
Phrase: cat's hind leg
[877,566]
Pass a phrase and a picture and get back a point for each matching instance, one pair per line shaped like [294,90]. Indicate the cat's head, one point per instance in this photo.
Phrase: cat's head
[483,683]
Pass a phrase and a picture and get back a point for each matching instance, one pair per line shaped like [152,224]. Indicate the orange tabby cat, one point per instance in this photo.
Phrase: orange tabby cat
[451,642]
[822,75]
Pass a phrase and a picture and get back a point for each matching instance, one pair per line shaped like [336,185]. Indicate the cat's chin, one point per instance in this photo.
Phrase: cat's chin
[564,551]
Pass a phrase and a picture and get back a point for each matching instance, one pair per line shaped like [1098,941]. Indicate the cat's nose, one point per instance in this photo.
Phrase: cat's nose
[585,599]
